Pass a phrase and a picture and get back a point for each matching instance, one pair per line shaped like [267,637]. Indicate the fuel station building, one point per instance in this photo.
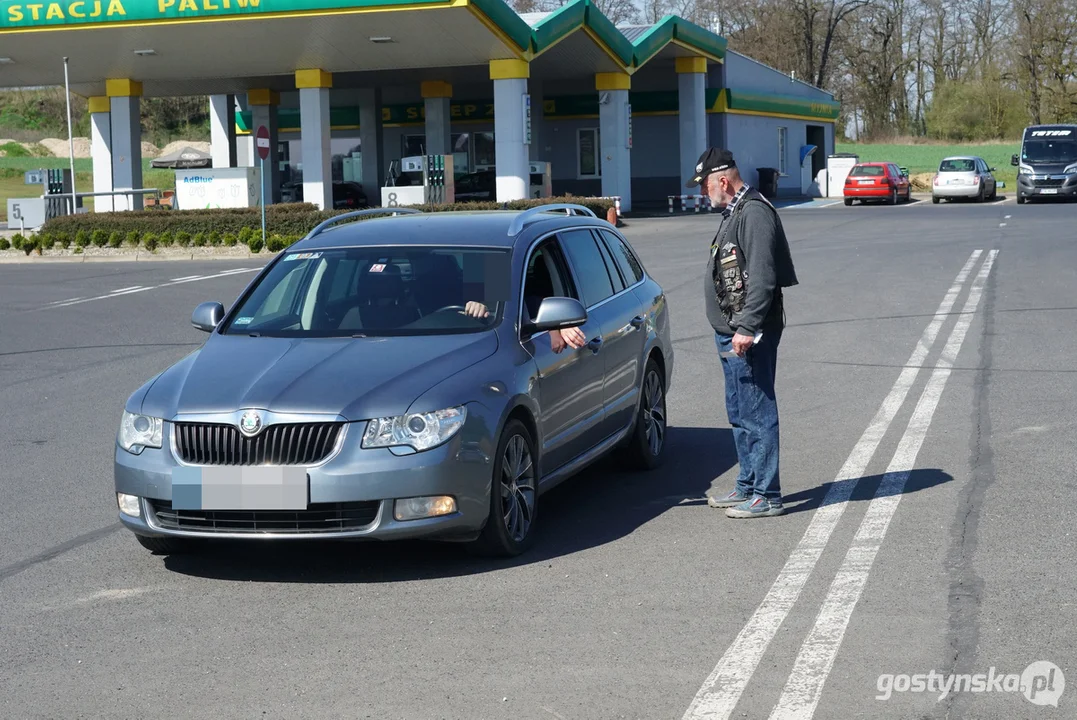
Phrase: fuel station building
[346,88]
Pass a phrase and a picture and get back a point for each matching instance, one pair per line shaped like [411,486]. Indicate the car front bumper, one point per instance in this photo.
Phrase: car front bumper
[1027,187]
[351,495]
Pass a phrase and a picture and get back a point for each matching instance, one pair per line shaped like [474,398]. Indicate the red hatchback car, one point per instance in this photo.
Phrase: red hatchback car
[877,181]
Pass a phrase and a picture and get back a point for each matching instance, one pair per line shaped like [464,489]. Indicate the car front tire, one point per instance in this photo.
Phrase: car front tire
[645,449]
[510,527]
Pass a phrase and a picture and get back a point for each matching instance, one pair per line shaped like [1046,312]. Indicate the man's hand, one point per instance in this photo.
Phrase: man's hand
[742,344]
[476,310]
[570,337]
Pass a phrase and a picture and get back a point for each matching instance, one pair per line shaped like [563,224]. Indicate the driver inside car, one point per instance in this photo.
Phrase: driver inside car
[538,287]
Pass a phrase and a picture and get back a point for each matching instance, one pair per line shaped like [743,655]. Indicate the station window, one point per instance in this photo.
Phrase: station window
[783,137]
[588,159]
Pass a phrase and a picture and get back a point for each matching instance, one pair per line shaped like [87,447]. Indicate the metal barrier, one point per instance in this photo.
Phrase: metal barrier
[700,201]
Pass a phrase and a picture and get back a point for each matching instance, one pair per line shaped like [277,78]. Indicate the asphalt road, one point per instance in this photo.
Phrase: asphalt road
[928,455]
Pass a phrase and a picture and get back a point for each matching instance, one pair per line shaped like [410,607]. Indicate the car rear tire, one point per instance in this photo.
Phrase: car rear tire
[980,197]
[645,449]
[167,545]
[848,202]
[510,527]
[908,194]
[934,201]
[892,200]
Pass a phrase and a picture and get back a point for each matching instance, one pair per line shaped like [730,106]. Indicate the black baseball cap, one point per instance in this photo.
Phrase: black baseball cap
[712,161]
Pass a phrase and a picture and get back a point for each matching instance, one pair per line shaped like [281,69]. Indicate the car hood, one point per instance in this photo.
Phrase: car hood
[1048,168]
[356,378]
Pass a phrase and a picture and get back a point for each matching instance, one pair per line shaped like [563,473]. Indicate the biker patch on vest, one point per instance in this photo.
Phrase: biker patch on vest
[730,279]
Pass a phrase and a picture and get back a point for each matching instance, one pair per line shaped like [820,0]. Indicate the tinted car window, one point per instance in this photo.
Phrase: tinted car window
[590,266]
[626,261]
[957,166]
[868,171]
[620,281]
[375,291]
[547,276]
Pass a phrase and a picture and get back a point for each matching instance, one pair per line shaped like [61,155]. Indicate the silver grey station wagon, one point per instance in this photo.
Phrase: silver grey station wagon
[404,375]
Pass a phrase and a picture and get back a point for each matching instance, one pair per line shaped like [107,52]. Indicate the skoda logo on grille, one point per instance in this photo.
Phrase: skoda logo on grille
[250,423]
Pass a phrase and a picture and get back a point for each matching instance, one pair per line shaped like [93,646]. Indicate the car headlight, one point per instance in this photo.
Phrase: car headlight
[1024,170]
[138,432]
[421,431]
[1071,170]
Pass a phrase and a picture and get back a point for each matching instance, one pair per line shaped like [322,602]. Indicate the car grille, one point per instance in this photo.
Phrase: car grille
[318,518]
[284,444]
[1048,182]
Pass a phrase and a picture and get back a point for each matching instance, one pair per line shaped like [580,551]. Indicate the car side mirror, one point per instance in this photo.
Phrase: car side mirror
[557,313]
[994,169]
[207,316]
[1014,161]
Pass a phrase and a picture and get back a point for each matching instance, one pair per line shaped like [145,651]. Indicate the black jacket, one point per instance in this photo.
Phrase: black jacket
[756,228]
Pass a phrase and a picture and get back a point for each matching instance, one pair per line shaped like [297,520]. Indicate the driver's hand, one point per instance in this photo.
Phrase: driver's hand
[574,337]
[476,310]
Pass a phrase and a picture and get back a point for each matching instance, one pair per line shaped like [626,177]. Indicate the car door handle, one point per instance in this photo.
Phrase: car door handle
[595,344]
[637,322]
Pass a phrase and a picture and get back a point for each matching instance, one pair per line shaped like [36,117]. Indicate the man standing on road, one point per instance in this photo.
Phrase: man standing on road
[749,265]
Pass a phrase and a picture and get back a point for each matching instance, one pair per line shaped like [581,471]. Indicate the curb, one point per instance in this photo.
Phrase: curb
[127,257]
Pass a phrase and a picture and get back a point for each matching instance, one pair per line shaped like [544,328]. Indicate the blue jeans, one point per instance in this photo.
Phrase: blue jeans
[753,412]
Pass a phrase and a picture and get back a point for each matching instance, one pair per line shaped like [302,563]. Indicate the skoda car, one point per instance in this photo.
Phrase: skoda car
[412,376]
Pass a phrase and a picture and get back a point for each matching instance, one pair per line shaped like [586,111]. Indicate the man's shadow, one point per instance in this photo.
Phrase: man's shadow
[600,505]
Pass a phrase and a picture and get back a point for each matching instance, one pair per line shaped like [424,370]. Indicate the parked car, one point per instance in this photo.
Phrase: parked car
[348,393]
[346,195]
[965,176]
[877,181]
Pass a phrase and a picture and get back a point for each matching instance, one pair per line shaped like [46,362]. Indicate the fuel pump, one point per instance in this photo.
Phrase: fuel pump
[419,180]
[57,185]
[540,184]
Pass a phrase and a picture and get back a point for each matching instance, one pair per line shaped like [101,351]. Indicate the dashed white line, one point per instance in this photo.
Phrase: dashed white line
[721,691]
[1007,217]
[805,684]
[186,277]
[137,288]
[1002,224]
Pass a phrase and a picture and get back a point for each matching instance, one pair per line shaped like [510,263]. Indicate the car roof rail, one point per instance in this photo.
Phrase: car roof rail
[522,219]
[361,213]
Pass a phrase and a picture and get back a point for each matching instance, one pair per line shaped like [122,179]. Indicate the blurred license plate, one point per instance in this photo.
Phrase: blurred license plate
[865,182]
[1048,191]
[239,488]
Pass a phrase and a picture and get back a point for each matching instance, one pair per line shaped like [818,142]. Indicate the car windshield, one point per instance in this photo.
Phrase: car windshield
[1053,150]
[376,291]
[958,165]
[869,170]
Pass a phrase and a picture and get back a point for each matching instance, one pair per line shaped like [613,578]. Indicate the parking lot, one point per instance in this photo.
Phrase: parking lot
[926,383]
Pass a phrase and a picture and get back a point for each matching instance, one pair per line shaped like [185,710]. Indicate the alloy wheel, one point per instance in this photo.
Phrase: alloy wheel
[517,488]
[654,412]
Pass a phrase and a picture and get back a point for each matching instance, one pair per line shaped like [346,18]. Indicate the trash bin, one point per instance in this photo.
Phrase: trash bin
[768,182]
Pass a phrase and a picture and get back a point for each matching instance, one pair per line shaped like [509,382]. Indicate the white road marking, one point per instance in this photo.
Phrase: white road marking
[722,689]
[1002,224]
[138,289]
[1007,217]
[187,277]
[805,684]
[56,302]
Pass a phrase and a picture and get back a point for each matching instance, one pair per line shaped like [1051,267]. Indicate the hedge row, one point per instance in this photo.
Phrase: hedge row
[150,240]
[286,220]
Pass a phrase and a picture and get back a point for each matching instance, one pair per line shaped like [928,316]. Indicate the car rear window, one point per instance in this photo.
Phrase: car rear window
[957,166]
[869,171]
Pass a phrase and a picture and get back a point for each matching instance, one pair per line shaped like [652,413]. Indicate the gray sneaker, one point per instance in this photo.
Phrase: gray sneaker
[756,507]
[734,498]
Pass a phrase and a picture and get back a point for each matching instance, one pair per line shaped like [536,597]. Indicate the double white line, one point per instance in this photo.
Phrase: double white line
[719,695]
[138,288]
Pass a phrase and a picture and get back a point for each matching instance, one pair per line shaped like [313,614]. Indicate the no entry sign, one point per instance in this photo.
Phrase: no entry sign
[261,141]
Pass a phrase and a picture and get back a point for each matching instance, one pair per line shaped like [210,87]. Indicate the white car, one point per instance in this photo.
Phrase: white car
[964,177]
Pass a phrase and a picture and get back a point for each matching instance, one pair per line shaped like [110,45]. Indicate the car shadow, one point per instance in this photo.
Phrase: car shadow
[600,505]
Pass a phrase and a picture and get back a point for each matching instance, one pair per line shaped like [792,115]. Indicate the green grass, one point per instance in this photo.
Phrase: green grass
[12,185]
[926,158]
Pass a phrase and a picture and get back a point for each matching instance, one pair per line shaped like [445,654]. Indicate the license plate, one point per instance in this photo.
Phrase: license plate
[1048,191]
[865,182]
[955,182]
[239,488]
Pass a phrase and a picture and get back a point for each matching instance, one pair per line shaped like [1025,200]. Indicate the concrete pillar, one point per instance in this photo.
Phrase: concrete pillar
[613,122]
[537,148]
[691,111]
[314,130]
[437,99]
[263,105]
[101,151]
[126,125]
[510,148]
[370,143]
[222,119]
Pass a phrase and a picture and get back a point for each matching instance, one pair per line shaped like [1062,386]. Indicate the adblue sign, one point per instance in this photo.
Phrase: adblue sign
[16,14]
